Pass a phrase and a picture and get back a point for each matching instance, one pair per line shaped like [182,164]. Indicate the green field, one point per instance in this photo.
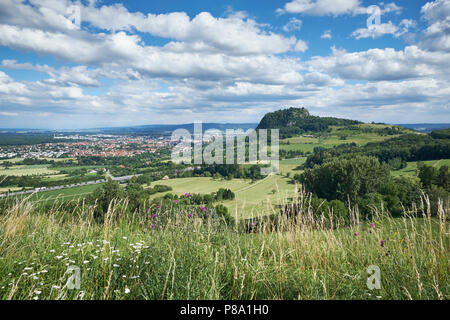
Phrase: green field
[12,189]
[291,165]
[252,199]
[25,170]
[63,194]
[74,168]
[329,140]
[14,160]
[411,167]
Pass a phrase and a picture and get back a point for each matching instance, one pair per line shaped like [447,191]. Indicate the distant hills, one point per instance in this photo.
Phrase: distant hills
[165,129]
[426,127]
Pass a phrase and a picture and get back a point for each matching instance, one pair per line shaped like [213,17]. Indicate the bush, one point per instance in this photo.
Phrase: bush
[221,212]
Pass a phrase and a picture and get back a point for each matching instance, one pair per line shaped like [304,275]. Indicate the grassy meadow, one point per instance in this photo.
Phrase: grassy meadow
[61,195]
[337,136]
[24,170]
[411,167]
[132,256]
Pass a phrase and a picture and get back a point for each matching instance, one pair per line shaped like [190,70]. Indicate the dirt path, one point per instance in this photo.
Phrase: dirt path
[253,185]
[436,163]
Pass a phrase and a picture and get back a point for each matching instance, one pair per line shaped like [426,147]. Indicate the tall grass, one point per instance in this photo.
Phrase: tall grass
[133,256]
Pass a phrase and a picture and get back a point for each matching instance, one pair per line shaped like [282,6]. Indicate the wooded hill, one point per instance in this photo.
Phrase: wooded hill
[294,121]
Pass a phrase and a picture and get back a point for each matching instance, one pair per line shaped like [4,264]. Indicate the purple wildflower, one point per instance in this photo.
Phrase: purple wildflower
[158,206]
[382,243]
[175,201]
[154,215]
[189,215]
[152,226]
[372,225]
[355,234]
[203,208]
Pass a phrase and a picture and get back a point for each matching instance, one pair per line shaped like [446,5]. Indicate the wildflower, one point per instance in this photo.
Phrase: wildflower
[189,215]
[255,223]
[127,291]
[85,261]
[355,234]
[152,226]
[175,201]
[154,216]
[158,206]
[203,208]
[116,265]
[35,298]
[37,292]
[52,251]
[124,238]
[372,225]
[58,257]
[382,243]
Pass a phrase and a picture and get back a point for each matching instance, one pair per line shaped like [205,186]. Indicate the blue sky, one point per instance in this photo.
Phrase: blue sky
[80,64]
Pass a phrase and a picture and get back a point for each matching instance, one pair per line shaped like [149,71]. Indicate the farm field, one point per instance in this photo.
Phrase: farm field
[411,167]
[74,168]
[63,194]
[252,199]
[12,189]
[307,144]
[14,160]
[25,170]
[290,165]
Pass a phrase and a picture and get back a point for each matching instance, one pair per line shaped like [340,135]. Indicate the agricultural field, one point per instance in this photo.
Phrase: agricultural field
[27,170]
[14,160]
[337,136]
[9,189]
[290,166]
[75,168]
[411,167]
[63,194]
[252,199]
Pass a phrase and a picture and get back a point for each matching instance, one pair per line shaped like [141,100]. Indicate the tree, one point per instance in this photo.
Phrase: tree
[342,178]
[443,178]
[427,175]
[104,195]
